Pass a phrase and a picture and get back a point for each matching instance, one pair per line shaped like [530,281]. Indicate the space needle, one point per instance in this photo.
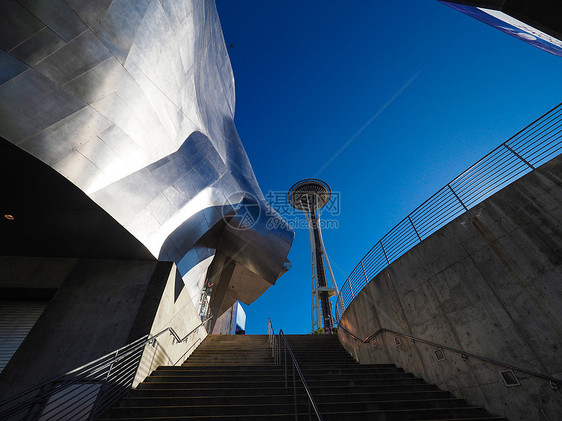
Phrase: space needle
[310,196]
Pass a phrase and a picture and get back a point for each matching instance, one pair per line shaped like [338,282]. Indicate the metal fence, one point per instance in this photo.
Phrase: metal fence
[81,394]
[86,392]
[536,144]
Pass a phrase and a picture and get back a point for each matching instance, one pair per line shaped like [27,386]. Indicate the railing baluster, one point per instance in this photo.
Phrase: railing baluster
[386,257]
[518,156]
[414,227]
[111,366]
[285,348]
[295,393]
[458,198]
[364,273]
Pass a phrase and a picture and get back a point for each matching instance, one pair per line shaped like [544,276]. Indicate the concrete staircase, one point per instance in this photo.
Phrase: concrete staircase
[234,378]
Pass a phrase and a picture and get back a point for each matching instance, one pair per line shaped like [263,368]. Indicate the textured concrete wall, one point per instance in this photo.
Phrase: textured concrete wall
[178,312]
[99,306]
[488,283]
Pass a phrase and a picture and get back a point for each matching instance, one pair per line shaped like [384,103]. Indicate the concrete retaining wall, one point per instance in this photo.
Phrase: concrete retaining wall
[488,283]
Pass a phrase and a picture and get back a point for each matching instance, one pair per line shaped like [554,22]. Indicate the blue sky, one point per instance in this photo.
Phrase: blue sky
[439,89]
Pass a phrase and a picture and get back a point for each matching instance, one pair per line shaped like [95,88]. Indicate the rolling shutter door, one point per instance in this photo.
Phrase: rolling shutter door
[17,317]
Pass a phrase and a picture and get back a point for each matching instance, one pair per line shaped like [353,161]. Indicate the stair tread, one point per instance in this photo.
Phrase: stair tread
[291,403]
[290,395]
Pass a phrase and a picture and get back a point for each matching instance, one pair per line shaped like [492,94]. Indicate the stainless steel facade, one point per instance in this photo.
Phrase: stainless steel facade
[132,101]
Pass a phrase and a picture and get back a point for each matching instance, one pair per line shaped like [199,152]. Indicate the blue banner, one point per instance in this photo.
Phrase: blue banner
[512,26]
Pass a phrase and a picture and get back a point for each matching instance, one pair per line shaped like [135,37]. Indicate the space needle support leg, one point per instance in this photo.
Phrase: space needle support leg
[339,298]
[321,272]
[314,282]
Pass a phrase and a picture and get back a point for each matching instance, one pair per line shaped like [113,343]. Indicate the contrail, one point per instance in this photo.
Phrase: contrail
[379,112]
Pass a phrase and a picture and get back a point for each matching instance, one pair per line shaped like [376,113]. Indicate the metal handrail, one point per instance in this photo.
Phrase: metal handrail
[454,350]
[176,336]
[87,391]
[532,146]
[276,344]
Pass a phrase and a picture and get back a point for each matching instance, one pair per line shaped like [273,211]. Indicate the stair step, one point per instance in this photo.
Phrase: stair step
[231,358]
[287,407]
[226,364]
[276,375]
[328,371]
[350,370]
[277,382]
[286,394]
[276,390]
[274,369]
[449,414]
[406,414]
[312,380]
[206,358]
[248,349]
[220,368]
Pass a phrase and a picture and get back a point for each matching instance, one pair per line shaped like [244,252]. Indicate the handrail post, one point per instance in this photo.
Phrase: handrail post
[285,348]
[518,156]
[295,393]
[414,227]
[364,274]
[384,251]
[458,198]
[338,309]
[111,366]
[278,350]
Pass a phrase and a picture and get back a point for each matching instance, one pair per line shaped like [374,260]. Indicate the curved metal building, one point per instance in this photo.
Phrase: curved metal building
[118,142]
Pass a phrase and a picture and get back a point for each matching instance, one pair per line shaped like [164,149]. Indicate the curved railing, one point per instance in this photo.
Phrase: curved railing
[536,144]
